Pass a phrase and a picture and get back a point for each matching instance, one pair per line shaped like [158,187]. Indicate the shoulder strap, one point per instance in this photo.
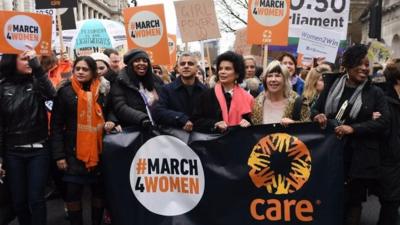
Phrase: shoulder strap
[1,87]
[297,108]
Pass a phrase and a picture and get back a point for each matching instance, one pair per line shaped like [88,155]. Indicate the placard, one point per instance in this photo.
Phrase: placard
[21,29]
[317,42]
[268,22]
[197,20]
[328,14]
[46,4]
[172,49]
[146,29]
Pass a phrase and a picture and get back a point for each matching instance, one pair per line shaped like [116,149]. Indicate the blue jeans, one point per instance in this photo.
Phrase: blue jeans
[27,174]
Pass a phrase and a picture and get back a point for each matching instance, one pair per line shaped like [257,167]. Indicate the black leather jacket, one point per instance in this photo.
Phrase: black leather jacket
[23,116]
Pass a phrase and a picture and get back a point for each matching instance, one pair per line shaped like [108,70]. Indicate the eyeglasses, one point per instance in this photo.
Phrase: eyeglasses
[84,69]
[189,63]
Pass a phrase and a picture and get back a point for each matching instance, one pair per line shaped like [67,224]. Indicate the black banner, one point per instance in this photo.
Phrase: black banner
[259,175]
[48,4]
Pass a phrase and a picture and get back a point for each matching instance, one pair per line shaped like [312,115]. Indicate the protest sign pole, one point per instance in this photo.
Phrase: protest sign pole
[59,24]
[209,60]
[265,57]
[202,55]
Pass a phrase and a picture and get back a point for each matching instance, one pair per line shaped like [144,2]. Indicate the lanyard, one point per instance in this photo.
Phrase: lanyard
[147,106]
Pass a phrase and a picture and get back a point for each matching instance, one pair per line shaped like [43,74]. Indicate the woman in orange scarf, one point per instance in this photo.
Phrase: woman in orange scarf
[77,125]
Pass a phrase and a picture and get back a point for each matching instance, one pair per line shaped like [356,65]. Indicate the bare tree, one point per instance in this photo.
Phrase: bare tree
[232,14]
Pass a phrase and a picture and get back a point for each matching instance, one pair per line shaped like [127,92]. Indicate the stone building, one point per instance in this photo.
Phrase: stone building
[354,32]
[87,9]
[390,26]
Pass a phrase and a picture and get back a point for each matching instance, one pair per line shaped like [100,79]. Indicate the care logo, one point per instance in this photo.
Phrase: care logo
[269,12]
[145,29]
[167,176]
[22,30]
[280,163]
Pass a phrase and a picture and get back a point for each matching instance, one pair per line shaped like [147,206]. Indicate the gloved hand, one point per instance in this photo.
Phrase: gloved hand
[146,124]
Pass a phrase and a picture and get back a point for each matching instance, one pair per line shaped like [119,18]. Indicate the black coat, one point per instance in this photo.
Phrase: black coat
[207,112]
[361,153]
[175,106]
[63,128]
[128,105]
[23,115]
[390,152]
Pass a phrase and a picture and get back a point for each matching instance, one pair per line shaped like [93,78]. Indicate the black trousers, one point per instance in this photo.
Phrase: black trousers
[389,214]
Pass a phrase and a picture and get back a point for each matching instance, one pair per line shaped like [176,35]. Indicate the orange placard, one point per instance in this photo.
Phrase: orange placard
[268,22]
[21,29]
[172,49]
[146,29]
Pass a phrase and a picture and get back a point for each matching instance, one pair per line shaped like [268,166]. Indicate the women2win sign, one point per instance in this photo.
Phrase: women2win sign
[146,29]
[21,29]
[268,22]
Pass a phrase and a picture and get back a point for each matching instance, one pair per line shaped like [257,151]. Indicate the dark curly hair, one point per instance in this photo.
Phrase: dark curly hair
[353,56]
[237,61]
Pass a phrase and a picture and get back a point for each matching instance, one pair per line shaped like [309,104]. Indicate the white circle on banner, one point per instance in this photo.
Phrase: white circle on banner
[269,13]
[171,45]
[167,176]
[145,29]
[22,30]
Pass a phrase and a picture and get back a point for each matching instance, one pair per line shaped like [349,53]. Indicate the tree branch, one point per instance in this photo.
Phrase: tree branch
[232,12]
[241,3]
[227,28]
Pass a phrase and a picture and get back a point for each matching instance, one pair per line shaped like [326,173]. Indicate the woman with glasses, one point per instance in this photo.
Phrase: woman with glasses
[227,104]
[77,125]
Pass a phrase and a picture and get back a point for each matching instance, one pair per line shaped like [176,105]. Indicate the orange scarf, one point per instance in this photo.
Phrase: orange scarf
[89,135]
[56,73]
[241,104]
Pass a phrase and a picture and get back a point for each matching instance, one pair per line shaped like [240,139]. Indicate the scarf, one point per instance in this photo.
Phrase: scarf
[335,93]
[241,104]
[89,135]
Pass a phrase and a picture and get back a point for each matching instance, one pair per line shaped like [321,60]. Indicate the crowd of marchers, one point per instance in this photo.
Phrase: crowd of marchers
[54,113]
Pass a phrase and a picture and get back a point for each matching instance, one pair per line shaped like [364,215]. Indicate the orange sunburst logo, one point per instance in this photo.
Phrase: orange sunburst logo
[280,163]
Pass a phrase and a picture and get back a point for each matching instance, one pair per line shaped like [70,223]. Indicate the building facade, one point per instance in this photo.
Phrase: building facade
[354,32]
[390,26]
[87,9]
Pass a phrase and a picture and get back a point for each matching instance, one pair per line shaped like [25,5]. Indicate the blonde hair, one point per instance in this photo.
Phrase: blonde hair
[250,57]
[310,90]
[276,66]
[165,75]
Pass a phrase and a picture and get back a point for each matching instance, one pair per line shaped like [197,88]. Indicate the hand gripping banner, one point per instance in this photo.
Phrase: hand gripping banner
[259,175]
